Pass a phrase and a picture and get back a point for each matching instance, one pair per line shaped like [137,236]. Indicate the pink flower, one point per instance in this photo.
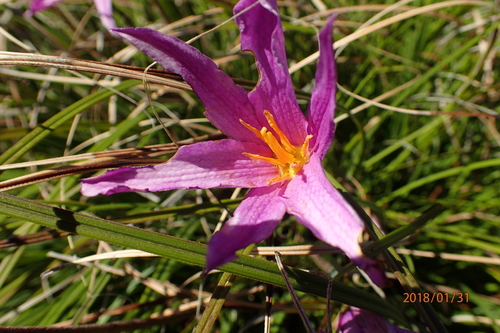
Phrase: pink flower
[272,148]
[355,320]
[103,8]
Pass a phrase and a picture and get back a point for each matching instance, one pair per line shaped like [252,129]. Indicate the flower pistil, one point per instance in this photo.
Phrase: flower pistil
[289,158]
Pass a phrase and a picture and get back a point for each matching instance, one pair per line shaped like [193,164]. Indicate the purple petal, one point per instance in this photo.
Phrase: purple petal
[224,101]
[355,320]
[374,269]
[104,8]
[323,100]
[39,5]
[202,165]
[261,33]
[254,220]
[316,204]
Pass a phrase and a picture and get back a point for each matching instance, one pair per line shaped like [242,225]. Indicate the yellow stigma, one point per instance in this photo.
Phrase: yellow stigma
[288,158]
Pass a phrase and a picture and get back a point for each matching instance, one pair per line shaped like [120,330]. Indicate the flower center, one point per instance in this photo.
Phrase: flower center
[289,158]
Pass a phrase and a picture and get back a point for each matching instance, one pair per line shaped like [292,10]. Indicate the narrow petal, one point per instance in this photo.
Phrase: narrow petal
[104,8]
[261,33]
[39,5]
[355,320]
[225,102]
[203,165]
[254,220]
[316,204]
[323,100]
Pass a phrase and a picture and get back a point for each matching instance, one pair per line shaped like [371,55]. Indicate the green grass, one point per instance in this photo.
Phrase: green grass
[437,143]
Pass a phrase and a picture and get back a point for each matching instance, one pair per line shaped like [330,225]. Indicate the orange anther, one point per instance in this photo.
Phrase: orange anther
[289,158]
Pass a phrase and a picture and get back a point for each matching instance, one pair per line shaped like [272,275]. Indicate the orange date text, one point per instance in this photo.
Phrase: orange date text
[436,297]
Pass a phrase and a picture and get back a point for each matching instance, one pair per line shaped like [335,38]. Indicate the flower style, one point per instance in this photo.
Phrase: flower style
[103,8]
[272,148]
[355,320]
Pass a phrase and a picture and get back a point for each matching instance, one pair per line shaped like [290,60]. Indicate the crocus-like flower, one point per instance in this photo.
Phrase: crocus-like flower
[272,148]
[355,320]
[103,8]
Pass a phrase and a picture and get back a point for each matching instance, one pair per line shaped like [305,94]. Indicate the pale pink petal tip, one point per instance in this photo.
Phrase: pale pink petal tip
[111,182]
[105,10]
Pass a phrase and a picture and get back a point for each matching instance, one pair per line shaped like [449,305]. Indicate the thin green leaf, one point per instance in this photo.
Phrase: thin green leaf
[187,251]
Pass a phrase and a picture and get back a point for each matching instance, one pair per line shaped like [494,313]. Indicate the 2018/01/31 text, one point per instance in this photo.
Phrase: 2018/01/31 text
[436,297]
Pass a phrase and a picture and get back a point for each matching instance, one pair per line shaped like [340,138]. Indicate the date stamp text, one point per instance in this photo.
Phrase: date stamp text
[436,297]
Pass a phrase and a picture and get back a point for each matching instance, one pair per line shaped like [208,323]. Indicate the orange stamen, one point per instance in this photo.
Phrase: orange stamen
[253,130]
[277,149]
[265,159]
[305,146]
[274,126]
[288,158]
